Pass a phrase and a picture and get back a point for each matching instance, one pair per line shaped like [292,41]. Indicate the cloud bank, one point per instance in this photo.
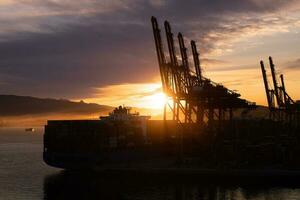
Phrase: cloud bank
[66,48]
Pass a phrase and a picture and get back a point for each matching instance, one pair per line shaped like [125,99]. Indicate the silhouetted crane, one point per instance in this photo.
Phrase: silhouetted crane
[285,108]
[194,97]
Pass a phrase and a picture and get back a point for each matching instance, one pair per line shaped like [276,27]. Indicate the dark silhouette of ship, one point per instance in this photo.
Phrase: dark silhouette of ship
[209,131]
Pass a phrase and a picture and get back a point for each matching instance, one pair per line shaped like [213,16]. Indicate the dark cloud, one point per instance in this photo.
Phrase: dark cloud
[293,64]
[76,46]
[232,68]
[80,58]
[208,61]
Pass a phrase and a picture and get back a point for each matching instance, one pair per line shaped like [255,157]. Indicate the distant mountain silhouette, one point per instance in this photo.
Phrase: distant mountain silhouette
[26,111]
[32,111]
[12,105]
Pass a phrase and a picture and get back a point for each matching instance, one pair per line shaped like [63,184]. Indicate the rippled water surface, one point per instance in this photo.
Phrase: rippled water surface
[23,175]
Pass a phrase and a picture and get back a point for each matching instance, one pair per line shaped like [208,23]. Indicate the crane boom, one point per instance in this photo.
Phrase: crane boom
[269,98]
[184,57]
[196,60]
[160,51]
[276,89]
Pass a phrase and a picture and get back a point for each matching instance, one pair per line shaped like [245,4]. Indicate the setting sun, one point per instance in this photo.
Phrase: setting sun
[147,95]
[155,101]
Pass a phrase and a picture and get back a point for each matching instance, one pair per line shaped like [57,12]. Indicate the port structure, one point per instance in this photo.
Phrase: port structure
[281,106]
[192,98]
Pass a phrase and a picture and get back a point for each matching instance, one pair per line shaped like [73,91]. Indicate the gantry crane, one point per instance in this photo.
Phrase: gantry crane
[194,98]
[281,106]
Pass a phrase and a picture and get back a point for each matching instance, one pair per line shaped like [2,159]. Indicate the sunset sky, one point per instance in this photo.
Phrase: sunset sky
[103,51]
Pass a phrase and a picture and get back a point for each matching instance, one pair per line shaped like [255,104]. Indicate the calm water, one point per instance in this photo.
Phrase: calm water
[23,175]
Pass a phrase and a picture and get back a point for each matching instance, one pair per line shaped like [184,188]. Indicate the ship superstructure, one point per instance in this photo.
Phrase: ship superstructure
[124,115]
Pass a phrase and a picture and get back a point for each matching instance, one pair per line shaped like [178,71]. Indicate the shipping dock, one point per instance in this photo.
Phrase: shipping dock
[208,131]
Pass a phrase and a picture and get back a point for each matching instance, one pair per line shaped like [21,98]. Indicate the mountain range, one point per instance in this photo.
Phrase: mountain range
[24,111]
[27,111]
[12,105]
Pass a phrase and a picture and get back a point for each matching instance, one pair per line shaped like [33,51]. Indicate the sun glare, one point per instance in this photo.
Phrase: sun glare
[146,95]
[155,101]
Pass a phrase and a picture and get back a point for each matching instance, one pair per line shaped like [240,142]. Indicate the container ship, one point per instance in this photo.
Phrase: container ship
[209,130]
[123,140]
[120,138]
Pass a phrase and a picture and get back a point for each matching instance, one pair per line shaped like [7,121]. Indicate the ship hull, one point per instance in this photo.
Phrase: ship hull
[160,166]
[242,148]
